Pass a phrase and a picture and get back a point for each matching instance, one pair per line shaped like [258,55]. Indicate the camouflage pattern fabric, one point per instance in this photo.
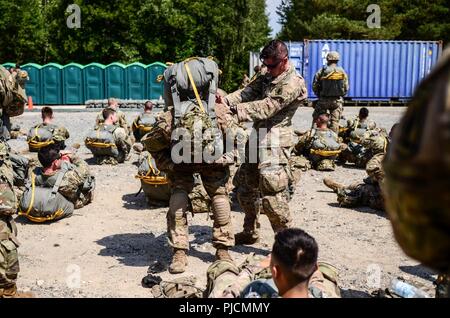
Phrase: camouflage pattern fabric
[123,143]
[182,183]
[121,120]
[9,260]
[12,93]
[330,94]
[8,200]
[42,133]
[270,103]
[143,124]
[199,198]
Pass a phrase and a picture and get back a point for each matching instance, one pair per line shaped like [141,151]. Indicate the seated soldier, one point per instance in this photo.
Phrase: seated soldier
[109,143]
[321,145]
[360,134]
[121,120]
[369,192]
[291,271]
[143,123]
[62,184]
[46,133]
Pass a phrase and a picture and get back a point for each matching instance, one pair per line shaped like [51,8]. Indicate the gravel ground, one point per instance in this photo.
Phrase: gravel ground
[105,249]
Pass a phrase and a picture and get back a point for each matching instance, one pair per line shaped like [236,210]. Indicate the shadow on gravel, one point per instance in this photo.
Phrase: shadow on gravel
[136,249]
[361,209]
[139,202]
[91,161]
[419,271]
[352,293]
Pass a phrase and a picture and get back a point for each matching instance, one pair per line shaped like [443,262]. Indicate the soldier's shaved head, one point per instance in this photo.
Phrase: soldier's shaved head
[112,102]
[47,112]
[276,49]
[148,105]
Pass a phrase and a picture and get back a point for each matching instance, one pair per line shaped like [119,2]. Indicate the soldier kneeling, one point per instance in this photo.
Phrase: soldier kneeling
[109,143]
[62,184]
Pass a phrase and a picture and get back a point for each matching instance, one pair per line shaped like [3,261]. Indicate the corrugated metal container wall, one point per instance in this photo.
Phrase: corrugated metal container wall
[377,70]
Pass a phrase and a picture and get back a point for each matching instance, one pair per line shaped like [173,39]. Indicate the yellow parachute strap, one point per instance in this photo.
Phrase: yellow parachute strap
[153,180]
[38,219]
[334,76]
[153,170]
[325,153]
[144,129]
[197,96]
[39,144]
[343,129]
[99,144]
[385,144]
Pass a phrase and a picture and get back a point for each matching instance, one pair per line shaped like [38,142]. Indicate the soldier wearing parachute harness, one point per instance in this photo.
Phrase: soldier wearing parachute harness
[121,119]
[190,93]
[291,271]
[109,143]
[269,101]
[46,133]
[369,193]
[321,145]
[330,85]
[62,184]
[417,182]
[144,122]
[12,98]
[9,261]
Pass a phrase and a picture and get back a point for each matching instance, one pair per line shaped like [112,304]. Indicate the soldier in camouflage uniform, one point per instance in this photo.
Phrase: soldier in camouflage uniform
[77,184]
[283,274]
[330,85]
[365,194]
[9,261]
[269,101]
[142,124]
[120,136]
[321,145]
[59,133]
[121,120]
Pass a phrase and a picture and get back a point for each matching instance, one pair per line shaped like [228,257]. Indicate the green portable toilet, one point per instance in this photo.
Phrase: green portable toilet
[155,84]
[115,84]
[135,75]
[9,65]
[72,81]
[33,86]
[94,81]
[51,84]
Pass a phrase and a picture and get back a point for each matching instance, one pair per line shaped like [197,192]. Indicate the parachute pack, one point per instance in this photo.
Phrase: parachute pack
[154,183]
[332,82]
[40,204]
[40,136]
[143,125]
[101,142]
[190,88]
[324,143]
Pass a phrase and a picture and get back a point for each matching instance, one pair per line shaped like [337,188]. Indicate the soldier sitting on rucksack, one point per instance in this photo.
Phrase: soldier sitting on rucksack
[109,143]
[291,271]
[46,133]
[321,145]
[62,184]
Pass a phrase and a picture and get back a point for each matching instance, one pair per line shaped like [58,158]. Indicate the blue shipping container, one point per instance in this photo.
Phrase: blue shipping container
[377,70]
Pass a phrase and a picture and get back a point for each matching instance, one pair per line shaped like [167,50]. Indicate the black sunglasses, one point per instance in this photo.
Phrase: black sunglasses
[272,66]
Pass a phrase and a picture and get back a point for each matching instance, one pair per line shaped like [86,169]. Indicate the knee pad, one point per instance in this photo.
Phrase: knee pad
[221,209]
[178,204]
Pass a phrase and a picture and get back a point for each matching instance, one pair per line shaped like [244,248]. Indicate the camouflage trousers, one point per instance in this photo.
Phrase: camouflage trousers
[264,190]
[9,260]
[332,106]
[323,163]
[182,183]
[355,153]
[365,194]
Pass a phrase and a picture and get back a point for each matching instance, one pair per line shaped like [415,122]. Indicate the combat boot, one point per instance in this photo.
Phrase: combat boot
[179,262]
[333,185]
[245,238]
[12,292]
[223,255]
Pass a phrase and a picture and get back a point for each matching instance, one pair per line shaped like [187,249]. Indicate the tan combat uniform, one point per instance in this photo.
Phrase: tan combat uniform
[121,120]
[270,103]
